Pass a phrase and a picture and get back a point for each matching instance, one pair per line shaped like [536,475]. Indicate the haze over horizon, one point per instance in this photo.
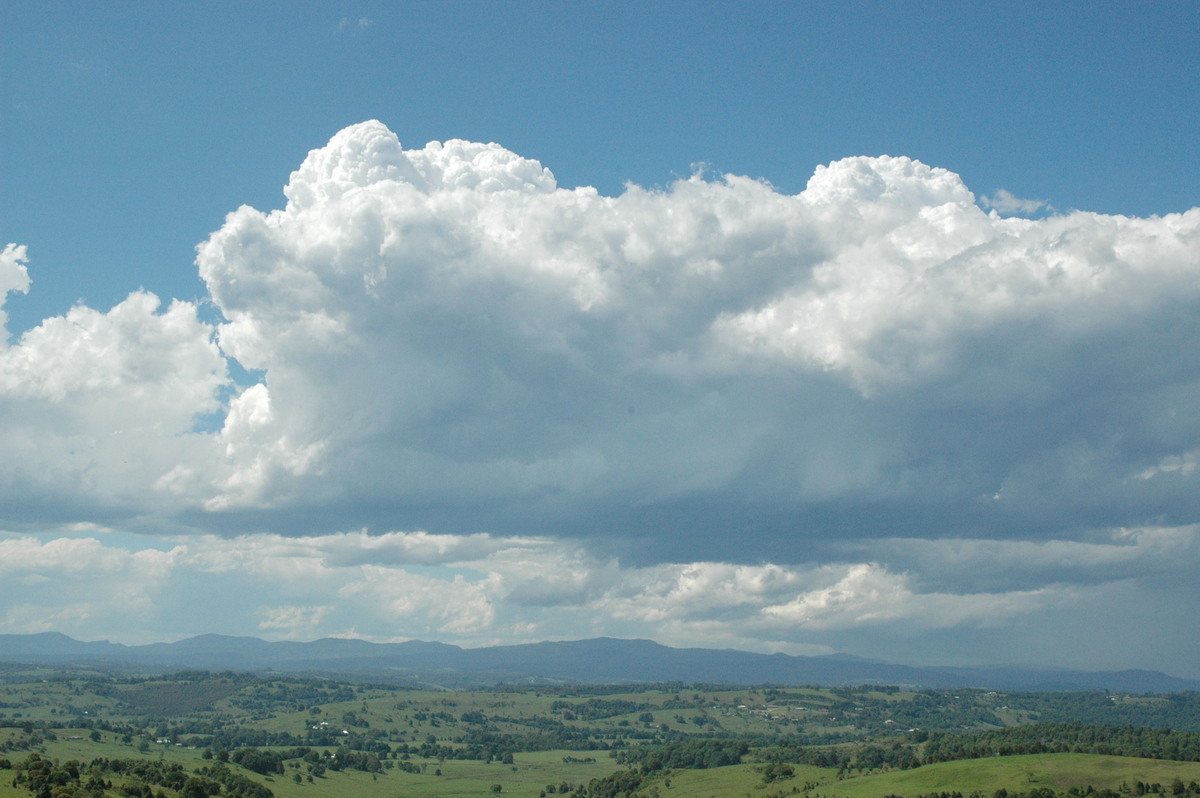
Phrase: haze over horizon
[753,327]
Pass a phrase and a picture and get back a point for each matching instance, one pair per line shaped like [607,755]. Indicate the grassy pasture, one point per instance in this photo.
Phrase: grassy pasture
[64,747]
[528,775]
[1017,774]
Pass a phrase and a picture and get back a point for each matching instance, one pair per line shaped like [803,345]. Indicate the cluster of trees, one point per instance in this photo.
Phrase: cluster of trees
[926,748]
[621,784]
[651,761]
[1178,711]
[488,745]
[270,761]
[858,756]
[294,694]
[689,754]
[598,708]
[44,778]
[1080,738]
[132,778]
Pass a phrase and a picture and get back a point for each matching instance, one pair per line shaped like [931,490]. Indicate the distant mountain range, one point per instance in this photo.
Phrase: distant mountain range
[598,661]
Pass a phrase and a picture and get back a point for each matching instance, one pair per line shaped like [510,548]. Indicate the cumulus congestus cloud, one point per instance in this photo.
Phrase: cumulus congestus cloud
[873,416]
[451,339]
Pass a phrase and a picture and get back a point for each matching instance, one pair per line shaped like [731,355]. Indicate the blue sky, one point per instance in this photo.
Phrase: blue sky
[801,327]
[144,124]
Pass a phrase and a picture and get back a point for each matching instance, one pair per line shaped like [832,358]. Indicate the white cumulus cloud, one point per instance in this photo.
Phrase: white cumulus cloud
[14,276]
[95,407]
[449,337]
[708,412]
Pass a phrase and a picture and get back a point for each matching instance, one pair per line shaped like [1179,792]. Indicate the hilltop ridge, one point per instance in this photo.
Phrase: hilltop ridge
[596,660]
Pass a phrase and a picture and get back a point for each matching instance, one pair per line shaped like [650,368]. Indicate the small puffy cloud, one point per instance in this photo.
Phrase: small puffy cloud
[1181,465]
[353,27]
[797,608]
[398,548]
[14,276]
[702,590]
[293,623]
[867,595]
[162,363]
[99,406]
[28,558]
[75,584]
[1008,204]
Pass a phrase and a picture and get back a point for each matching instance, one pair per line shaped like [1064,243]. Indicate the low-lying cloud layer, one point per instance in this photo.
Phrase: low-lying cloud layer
[710,413]
[483,589]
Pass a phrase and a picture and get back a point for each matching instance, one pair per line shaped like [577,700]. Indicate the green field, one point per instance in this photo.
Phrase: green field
[196,735]
[1060,772]
[1016,774]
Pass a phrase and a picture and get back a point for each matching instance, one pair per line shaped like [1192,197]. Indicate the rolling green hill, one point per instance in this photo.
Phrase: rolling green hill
[90,734]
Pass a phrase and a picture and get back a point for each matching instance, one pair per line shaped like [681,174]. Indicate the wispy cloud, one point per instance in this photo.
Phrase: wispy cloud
[1009,204]
[353,27]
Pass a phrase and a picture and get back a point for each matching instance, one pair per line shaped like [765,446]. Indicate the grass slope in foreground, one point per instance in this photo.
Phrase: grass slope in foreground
[1013,774]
